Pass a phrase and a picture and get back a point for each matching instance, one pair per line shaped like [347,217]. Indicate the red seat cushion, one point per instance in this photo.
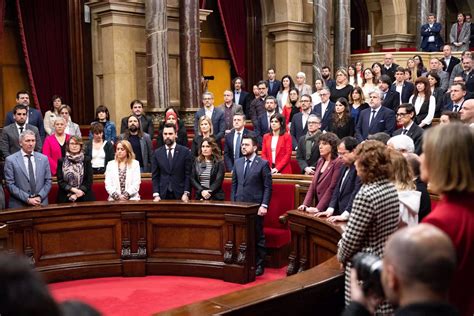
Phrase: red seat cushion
[276,237]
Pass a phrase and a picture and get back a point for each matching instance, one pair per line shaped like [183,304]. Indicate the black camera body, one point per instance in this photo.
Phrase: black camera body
[369,272]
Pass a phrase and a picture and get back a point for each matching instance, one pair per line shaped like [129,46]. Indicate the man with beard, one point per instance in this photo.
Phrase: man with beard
[299,126]
[262,125]
[326,75]
[140,141]
[146,122]
[307,153]
[171,168]
[33,116]
[9,141]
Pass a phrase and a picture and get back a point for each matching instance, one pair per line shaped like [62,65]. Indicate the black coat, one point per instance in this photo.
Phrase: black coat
[217,178]
[86,185]
[108,148]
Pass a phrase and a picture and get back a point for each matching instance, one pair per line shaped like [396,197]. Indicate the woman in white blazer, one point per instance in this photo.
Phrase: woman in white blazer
[122,175]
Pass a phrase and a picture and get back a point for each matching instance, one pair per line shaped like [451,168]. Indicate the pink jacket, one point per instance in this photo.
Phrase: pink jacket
[52,150]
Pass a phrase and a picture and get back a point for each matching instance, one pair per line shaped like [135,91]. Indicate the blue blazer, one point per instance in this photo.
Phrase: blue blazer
[450,106]
[218,122]
[110,132]
[275,88]
[34,118]
[257,185]
[296,128]
[427,32]
[392,100]
[262,127]
[407,90]
[229,148]
[384,121]
[326,118]
[342,198]
[179,174]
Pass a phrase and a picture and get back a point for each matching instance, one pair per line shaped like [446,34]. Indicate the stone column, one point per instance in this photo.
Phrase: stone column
[156,28]
[189,58]
[440,6]
[422,13]
[342,34]
[321,36]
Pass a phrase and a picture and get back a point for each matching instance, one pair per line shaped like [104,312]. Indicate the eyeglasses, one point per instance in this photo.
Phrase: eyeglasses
[314,122]
[305,101]
[401,114]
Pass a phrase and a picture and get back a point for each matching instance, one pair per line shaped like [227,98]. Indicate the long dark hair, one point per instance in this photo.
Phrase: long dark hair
[341,121]
[280,119]
[292,83]
[216,155]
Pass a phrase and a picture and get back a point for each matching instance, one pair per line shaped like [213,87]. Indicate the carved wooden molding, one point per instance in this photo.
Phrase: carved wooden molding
[228,252]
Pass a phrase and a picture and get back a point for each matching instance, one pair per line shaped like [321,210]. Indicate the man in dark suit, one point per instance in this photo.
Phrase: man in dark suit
[403,87]
[263,122]
[326,76]
[449,59]
[233,140]
[240,96]
[431,40]
[171,168]
[216,115]
[257,106]
[140,141]
[324,109]
[468,73]
[457,97]
[10,138]
[27,174]
[347,185]
[34,116]
[252,182]
[389,67]
[375,119]
[405,118]
[146,122]
[299,126]
[307,153]
[390,98]
[272,84]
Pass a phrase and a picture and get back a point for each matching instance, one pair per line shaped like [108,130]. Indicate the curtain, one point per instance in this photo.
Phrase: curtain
[45,41]
[2,18]
[234,18]
[202,4]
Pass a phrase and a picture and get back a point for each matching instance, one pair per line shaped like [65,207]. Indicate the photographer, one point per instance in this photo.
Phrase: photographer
[418,266]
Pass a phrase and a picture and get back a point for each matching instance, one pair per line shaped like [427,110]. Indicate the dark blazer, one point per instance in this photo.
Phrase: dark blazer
[416,133]
[146,148]
[108,149]
[282,153]
[218,122]
[296,128]
[452,62]
[384,121]
[243,100]
[256,109]
[426,32]
[407,90]
[229,148]
[323,184]
[182,135]
[301,153]
[342,197]
[390,71]
[392,100]
[275,88]
[34,118]
[326,117]
[440,98]
[425,201]
[347,129]
[86,185]
[469,78]
[257,185]
[262,127]
[450,106]
[217,177]
[10,139]
[146,123]
[178,174]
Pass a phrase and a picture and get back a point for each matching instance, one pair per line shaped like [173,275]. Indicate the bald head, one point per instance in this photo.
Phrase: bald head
[422,255]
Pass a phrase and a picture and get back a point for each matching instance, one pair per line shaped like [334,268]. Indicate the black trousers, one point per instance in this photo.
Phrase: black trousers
[170,195]
[259,242]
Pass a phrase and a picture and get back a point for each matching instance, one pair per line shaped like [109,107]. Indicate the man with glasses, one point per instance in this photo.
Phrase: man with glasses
[257,107]
[215,114]
[389,67]
[405,117]
[307,152]
[298,126]
[325,108]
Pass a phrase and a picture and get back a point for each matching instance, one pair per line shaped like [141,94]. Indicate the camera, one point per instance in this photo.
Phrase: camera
[208,77]
[369,271]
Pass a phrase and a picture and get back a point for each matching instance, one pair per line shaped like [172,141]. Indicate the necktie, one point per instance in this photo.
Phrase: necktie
[247,164]
[170,157]
[31,173]
[21,129]
[404,132]
[271,85]
[372,118]
[237,147]
[384,95]
[456,107]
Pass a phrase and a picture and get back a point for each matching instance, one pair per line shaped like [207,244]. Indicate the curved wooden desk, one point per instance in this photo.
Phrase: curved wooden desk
[317,291]
[100,239]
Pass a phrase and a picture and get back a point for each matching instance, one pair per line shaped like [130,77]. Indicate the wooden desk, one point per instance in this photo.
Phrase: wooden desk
[137,238]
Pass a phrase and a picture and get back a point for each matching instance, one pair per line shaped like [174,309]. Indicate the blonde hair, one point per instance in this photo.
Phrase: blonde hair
[128,148]
[403,177]
[449,158]
[205,118]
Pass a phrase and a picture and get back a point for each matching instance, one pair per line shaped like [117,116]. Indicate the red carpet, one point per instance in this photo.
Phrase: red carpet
[148,295]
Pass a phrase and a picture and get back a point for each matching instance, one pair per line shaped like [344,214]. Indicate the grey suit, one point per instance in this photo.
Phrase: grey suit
[18,183]
[10,139]
[146,148]
[462,38]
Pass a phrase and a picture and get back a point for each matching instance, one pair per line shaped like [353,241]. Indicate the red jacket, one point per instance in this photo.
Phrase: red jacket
[454,214]
[283,152]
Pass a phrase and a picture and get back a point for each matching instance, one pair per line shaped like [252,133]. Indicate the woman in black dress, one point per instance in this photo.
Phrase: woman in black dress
[342,123]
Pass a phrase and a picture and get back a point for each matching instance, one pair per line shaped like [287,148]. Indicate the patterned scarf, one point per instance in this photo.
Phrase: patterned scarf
[73,169]
[309,141]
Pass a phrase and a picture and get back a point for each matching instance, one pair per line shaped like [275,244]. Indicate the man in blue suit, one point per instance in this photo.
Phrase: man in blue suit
[216,115]
[34,116]
[431,40]
[324,109]
[390,98]
[375,119]
[403,87]
[272,83]
[347,185]
[171,168]
[27,174]
[233,140]
[252,182]
[299,126]
[263,122]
